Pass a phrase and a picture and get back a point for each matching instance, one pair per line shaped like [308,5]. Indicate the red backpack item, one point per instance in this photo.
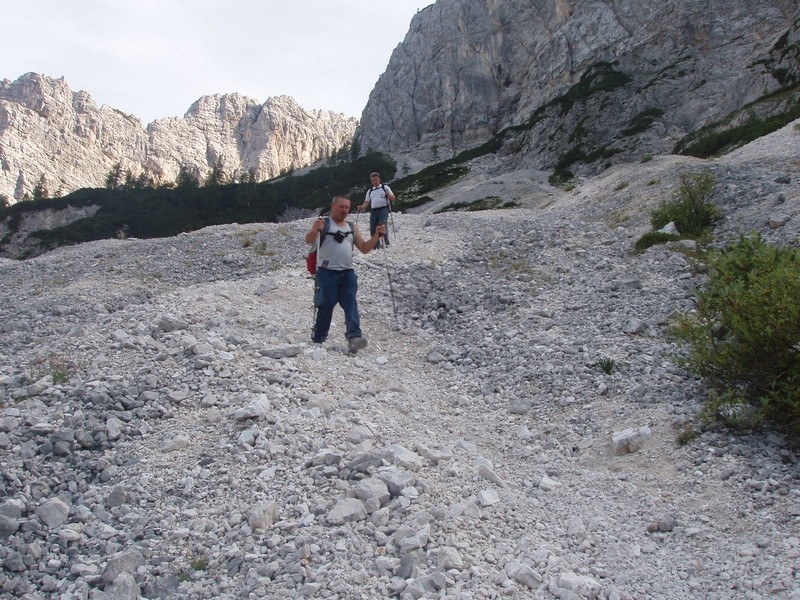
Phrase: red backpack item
[311,261]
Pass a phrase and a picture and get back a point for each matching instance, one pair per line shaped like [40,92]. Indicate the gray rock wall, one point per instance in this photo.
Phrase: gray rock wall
[469,68]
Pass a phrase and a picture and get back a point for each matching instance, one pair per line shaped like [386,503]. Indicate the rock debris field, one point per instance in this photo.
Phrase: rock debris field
[511,431]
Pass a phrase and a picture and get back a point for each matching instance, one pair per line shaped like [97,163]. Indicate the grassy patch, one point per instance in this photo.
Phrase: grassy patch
[607,365]
[488,203]
[653,238]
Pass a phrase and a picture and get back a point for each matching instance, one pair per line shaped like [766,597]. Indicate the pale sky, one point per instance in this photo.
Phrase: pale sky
[154,58]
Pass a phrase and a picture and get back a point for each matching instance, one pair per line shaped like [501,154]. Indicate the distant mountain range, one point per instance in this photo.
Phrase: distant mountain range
[52,135]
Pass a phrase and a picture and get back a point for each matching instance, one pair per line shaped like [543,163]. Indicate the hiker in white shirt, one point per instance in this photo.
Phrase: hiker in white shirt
[378,198]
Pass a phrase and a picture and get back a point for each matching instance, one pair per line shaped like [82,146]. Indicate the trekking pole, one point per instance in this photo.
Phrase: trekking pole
[391,218]
[314,297]
[391,288]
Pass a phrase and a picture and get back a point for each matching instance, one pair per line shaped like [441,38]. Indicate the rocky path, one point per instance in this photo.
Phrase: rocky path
[168,431]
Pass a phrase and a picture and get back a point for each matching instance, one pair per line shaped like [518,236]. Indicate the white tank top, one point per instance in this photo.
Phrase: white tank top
[334,255]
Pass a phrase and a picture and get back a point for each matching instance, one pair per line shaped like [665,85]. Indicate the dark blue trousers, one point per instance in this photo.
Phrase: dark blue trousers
[332,288]
[379,215]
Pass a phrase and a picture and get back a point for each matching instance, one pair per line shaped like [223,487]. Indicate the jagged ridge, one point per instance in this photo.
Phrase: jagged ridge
[48,130]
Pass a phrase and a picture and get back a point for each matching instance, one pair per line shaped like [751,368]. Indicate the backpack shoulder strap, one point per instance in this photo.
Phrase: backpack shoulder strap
[324,231]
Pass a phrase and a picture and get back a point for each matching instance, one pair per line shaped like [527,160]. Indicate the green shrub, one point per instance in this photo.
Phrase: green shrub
[744,339]
[690,208]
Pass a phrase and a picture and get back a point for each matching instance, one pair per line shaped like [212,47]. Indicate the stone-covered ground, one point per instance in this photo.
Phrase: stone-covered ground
[511,431]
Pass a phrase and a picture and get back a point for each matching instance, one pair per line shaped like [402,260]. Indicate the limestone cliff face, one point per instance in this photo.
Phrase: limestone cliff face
[624,76]
[48,130]
[239,134]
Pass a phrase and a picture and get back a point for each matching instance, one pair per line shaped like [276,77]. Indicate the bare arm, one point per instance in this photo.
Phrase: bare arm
[316,227]
[365,245]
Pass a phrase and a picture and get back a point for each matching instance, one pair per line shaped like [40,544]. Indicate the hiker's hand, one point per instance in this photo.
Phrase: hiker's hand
[380,229]
[359,208]
[319,224]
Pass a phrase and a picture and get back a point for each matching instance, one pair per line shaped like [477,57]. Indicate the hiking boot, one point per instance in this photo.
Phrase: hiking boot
[354,344]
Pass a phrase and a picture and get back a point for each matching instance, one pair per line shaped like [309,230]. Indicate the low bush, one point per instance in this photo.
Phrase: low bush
[690,208]
[744,338]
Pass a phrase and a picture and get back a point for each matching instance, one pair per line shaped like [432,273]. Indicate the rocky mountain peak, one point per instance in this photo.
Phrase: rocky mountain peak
[49,131]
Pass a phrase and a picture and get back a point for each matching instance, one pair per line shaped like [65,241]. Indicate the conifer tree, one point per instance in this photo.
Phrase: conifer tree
[115,177]
[40,191]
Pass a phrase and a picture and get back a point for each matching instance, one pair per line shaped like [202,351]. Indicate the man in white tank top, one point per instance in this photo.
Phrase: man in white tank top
[336,281]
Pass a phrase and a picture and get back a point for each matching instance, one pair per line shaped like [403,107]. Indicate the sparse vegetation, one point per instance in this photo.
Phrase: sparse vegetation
[410,188]
[487,203]
[617,218]
[744,339]
[561,179]
[686,434]
[40,191]
[57,367]
[199,562]
[653,238]
[726,135]
[643,121]
[60,373]
[691,208]
[261,249]
[162,212]
[607,365]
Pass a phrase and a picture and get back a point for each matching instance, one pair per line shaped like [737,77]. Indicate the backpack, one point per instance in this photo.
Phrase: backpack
[311,259]
[383,187]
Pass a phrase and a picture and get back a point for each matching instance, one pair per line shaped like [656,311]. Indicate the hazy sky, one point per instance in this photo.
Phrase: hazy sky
[154,58]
